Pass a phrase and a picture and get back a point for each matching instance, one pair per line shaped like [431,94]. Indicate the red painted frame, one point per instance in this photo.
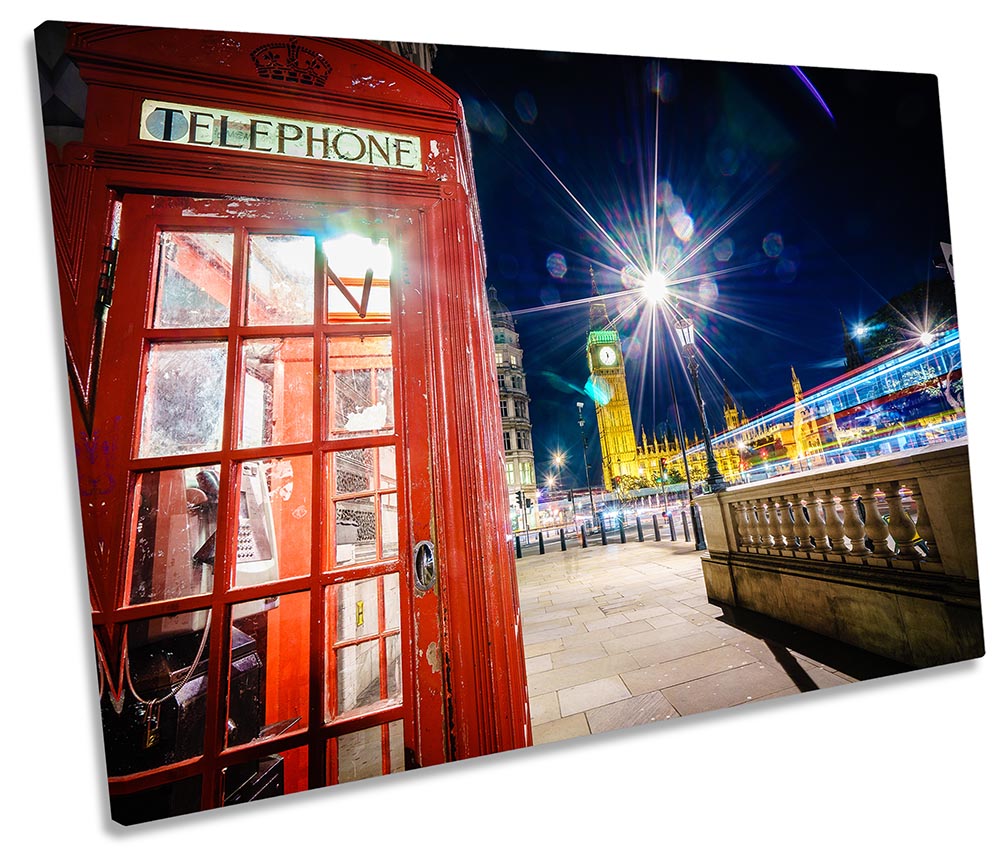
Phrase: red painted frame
[467,685]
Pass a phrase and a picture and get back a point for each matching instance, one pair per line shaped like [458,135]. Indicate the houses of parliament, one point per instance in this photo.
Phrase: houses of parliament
[628,466]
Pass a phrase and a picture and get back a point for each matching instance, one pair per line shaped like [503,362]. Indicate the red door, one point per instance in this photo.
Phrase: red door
[277,557]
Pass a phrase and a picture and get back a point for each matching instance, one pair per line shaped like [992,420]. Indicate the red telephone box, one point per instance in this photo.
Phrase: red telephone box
[286,418]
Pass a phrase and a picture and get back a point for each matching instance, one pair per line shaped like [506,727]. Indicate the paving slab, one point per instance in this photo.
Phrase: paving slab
[623,634]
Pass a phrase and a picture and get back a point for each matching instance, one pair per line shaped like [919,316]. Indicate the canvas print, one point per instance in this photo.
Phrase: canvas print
[422,412]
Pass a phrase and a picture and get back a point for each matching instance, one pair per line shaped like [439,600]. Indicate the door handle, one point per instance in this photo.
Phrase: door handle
[425,566]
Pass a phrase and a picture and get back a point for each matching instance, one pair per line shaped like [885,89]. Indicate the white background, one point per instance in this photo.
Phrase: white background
[901,764]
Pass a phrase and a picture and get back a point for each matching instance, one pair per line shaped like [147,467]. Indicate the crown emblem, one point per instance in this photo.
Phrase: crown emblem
[289,61]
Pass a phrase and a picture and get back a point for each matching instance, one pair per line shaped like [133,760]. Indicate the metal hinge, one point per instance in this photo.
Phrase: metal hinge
[106,278]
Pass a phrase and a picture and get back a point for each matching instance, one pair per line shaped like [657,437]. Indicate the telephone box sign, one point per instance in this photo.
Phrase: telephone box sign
[231,130]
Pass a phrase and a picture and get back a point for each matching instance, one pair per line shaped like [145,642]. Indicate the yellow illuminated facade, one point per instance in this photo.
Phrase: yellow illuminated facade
[627,465]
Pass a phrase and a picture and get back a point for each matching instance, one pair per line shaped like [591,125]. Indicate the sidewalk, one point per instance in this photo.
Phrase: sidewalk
[623,634]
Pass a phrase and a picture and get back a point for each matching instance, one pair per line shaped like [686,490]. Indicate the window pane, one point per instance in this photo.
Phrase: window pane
[349,259]
[277,391]
[162,717]
[183,404]
[193,280]
[354,531]
[391,599]
[389,526]
[273,775]
[354,471]
[357,609]
[269,682]
[280,277]
[274,530]
[361,385]
[357,676]
[394,679]
[172,542]
[359,755]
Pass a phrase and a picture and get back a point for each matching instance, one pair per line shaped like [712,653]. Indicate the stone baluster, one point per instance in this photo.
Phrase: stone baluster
[923,525]
[775,522]
[875,528]
[900,524]
[786,524]
[739,511]
[818,526]
[854,527]
[801,526]
[835,527]
[755,526]
[765,523]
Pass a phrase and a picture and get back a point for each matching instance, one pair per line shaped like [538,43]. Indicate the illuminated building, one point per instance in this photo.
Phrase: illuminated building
[607,386]
[519,459]
[908,398]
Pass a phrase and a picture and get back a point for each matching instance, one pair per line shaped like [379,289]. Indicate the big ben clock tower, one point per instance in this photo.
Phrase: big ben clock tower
[611,399]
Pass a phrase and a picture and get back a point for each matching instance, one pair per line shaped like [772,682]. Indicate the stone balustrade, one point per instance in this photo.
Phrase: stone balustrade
[879,553]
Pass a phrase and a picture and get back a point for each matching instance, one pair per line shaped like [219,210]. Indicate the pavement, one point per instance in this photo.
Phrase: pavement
[620,635]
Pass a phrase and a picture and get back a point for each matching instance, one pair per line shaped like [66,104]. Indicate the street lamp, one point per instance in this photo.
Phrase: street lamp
[700,541]
[686,336]
[559,458]
[587,469]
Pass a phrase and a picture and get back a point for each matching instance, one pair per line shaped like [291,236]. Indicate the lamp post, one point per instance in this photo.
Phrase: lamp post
[587,469]
[686,336]
[700,541]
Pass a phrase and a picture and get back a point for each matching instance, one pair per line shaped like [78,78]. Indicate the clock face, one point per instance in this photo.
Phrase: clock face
[606,356]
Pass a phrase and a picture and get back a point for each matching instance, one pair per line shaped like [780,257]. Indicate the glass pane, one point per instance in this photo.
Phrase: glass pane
[274,531]
[357,676]
[394,677]
[193,280]
[183,404]
[396,761]
[357,609]
[354,471]
[269,675]
[280,277]
[277,391]
[354,531]
[162,716]
[265,777]
[172,542]
[359,754]
[389,526]
[350,260]
[361,385]
[391,600]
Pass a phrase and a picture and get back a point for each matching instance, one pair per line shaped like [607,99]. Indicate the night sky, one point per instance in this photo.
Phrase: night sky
[803,205]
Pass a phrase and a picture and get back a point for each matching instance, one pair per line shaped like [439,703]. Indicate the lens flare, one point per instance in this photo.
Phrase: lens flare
[525,107]
[772,245]
[556,264]
[723,250]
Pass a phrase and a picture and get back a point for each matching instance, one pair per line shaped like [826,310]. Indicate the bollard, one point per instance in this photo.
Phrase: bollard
[639,528]
[622,530]
[684,524]
[542,546]
[656,528]
[583,538]
[517,546]
[563,541]
[670,525]
[604,534]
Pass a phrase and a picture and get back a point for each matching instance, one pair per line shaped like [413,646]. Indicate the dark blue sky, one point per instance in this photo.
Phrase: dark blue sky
[566,148]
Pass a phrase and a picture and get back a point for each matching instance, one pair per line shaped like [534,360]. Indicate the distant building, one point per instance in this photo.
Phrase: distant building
[519,458]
